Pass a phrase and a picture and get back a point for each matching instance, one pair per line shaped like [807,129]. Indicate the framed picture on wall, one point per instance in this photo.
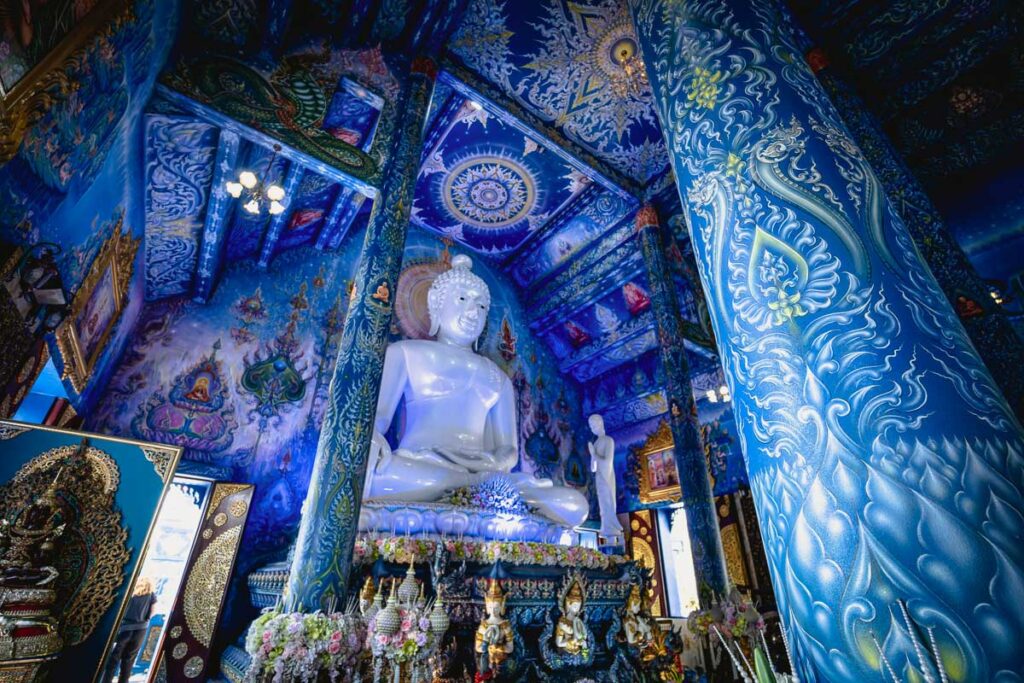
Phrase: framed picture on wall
[97,306]
[659,478]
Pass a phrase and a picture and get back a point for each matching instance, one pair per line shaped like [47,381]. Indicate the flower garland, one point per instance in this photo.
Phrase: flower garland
[412,636]
[300,647]
[399,549]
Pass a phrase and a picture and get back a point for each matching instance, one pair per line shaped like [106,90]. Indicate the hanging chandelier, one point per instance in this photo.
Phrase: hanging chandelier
[257,193]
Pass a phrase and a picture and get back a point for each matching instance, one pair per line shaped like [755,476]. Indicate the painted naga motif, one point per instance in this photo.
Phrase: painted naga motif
[887,469]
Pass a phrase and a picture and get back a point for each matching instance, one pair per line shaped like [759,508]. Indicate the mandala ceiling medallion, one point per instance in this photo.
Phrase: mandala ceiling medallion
[489,192]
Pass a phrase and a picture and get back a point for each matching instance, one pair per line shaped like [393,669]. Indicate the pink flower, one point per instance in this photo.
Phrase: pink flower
[334,648]
[406,624]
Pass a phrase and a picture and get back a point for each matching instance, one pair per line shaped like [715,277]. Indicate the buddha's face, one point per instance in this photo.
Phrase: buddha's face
[463,314]
[495,608]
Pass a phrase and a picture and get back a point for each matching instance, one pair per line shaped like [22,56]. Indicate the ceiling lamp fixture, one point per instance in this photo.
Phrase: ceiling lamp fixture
[722,395]
[258,193]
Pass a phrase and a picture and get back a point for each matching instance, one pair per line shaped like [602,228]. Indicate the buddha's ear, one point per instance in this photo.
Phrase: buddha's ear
[434,326]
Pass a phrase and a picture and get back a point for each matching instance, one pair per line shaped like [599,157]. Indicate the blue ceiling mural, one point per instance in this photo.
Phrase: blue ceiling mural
[574,65]
[943,77]
[487,184]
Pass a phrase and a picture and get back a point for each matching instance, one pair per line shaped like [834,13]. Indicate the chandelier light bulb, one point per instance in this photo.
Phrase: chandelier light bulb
[247,179]
[276,207]
[234,189]
[474,105]
[252,206]
[712,396]
[275,193]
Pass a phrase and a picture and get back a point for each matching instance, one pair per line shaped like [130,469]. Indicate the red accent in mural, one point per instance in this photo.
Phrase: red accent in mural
[637,300]
[577,335]
[425,66]
[645,217]
[817,59]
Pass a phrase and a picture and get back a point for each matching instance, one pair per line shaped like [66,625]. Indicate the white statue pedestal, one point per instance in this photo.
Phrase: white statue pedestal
[453,521]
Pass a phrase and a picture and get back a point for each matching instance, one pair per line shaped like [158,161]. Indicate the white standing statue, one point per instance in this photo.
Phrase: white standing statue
[460,410]
[602,464]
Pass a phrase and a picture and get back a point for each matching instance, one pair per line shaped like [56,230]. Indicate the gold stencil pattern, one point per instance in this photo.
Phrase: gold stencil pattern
[734,555]
[222,491]
[162,458]
[206,582]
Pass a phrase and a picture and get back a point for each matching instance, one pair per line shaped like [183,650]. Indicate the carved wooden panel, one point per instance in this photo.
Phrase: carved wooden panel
[185,655]
[645,548]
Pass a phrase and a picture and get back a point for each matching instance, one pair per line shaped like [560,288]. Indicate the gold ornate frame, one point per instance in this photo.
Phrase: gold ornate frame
[164,460]
[52,79]
[658,442]
[117,256]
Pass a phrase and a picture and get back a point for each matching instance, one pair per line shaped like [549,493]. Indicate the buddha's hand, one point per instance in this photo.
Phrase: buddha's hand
[480,460]
[380,452]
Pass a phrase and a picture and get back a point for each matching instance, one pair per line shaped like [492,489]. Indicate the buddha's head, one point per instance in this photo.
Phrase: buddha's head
[494,601]
[574,600]
[458,302]
[596,423]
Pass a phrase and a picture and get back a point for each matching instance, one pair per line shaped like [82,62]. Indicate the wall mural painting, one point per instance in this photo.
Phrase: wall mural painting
[70,143]
[319,86]
[235,381]
[576,65]
[179,169]
[897,497]
[30,30]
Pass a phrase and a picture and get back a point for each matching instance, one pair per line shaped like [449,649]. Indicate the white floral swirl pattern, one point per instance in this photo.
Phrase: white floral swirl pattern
[884,461]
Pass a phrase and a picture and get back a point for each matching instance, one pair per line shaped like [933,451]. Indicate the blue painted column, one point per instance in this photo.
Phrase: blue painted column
[323,550]
[694,480]
[991,332]
[886,466]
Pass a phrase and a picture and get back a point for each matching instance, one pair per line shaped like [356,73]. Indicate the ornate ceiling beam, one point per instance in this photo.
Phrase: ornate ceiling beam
[288,152]
[595,252]
[344,210]
[278,17]
[473,87]
[277,222]
[566,213]
[620,266]
[596,359]
[215,224]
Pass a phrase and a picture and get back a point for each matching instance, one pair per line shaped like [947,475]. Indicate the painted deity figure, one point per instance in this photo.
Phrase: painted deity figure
[494,641]
[602,464]
[460,410]
[571,635]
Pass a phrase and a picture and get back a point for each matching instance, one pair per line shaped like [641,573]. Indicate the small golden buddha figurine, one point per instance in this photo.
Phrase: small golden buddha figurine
[494,640]
[27,544]
[366,596]
[637,624]
[571,631]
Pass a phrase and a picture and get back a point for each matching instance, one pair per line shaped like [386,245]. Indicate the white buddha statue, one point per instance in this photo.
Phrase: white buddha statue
[602,464]
[460,410]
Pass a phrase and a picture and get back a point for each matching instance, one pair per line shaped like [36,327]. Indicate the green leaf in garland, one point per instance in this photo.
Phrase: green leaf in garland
[762,667]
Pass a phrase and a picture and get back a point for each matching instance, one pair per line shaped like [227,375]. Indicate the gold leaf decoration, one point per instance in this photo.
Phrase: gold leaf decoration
[206,584]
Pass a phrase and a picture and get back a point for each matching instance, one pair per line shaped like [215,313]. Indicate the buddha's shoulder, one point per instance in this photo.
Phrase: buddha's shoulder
[415,346]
